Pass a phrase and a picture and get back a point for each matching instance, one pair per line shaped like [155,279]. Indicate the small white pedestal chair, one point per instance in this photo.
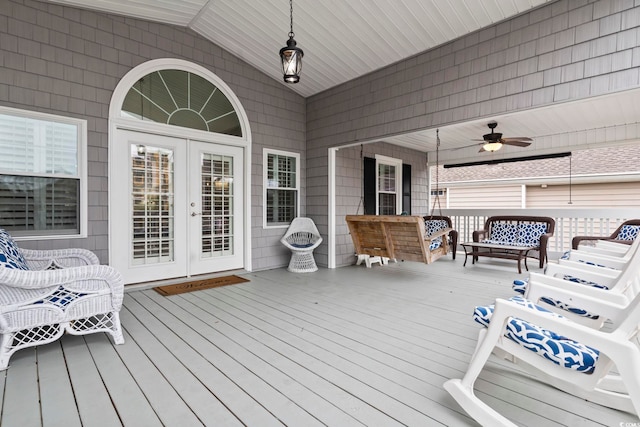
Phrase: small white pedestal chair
[596,365]
[302,238]
[44,294]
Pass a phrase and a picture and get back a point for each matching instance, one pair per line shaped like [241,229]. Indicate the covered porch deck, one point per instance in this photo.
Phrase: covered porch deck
[350,346]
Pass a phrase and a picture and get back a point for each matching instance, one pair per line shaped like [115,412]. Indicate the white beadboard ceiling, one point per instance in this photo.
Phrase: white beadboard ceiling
[345,39]
[341,39]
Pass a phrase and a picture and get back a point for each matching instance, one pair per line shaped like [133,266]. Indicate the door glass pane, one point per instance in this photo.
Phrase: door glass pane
[152,196]
[217,205]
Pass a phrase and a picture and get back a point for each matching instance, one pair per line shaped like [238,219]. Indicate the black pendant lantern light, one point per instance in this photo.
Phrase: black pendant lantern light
[291,55]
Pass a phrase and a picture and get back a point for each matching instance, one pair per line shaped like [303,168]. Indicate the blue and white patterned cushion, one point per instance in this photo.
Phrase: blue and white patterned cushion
[10,255]
[558,349]
[503,233]
[433,225]
[520,287]
[529,233]
[628,232]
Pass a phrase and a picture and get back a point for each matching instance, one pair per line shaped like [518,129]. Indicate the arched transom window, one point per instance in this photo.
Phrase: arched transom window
[181,98]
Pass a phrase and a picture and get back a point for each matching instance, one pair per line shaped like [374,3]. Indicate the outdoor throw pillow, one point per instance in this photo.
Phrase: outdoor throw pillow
[503,233]
[529,233]
[628,232]
[10,255]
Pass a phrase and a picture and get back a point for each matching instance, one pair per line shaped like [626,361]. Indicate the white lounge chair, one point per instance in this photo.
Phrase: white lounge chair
[555,289]
[44,294]
[602,367]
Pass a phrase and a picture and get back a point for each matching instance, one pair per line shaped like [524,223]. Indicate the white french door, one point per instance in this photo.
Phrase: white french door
[215,207]
[177,207]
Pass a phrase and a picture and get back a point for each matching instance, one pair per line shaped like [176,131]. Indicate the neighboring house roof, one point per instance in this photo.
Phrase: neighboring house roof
[608,160]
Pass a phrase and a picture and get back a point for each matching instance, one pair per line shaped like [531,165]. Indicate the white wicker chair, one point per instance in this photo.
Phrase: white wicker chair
[302,238]
[44,294]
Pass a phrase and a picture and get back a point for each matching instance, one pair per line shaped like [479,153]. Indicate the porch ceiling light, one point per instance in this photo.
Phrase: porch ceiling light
[291,55]
[492,146]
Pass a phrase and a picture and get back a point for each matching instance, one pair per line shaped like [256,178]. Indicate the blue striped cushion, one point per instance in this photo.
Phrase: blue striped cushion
[558,349]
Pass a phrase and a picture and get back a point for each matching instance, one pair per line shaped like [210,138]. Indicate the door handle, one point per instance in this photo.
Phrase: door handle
[196,214]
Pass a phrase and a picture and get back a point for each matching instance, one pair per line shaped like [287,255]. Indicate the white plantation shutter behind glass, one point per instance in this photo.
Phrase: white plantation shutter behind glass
[39,176]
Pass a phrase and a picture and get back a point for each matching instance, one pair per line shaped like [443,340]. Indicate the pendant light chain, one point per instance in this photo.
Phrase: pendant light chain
[291,34]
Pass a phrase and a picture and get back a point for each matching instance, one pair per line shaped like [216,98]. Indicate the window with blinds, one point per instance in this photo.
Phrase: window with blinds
[281,183]
[40,173]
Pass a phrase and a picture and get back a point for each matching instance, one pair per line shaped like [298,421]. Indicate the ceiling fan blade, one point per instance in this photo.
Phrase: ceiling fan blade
[516,143]
[518,138]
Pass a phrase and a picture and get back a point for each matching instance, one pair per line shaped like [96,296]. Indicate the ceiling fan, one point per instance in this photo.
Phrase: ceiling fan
[494,141]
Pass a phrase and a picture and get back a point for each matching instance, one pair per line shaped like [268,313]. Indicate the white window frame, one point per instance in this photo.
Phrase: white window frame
[397,163]
[265,185]
[81,126]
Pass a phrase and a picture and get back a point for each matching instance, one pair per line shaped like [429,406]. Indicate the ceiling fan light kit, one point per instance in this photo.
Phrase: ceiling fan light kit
[492,146]
[494,141]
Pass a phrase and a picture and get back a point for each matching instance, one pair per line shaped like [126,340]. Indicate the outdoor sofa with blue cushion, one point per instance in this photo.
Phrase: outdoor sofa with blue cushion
[531,232]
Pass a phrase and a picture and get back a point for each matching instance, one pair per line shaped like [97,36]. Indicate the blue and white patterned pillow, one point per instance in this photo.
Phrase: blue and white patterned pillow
[433,225]
[503,233]
[558,349]
[529,233]
[10,255]
[628,232]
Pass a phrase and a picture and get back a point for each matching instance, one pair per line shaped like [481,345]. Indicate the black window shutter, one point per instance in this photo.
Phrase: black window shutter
[406,188]
[369,186]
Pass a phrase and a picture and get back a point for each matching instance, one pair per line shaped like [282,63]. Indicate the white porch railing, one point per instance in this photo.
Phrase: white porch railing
[570,222]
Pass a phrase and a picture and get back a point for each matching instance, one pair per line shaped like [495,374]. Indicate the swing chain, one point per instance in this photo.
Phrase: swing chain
[437,198]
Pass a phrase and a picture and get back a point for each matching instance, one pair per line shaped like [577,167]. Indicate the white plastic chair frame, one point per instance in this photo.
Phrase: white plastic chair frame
[618,348]
[623,285]
[302,237]
[66,291]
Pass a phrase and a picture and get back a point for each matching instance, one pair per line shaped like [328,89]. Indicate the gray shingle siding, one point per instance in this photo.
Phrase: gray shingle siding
[67,61]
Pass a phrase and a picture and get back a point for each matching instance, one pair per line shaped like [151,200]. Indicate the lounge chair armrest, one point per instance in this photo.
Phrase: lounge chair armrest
[560,270]
[605,271]
[611,262]
[577,294]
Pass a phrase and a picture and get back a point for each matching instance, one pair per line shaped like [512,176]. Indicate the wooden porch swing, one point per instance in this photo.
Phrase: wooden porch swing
[401,237]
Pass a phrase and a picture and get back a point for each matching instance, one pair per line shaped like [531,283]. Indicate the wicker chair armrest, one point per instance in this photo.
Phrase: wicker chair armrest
[89,278]
[479,235]
[59,258]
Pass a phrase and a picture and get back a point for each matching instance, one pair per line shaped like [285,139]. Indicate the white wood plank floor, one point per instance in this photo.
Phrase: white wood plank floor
[345,347]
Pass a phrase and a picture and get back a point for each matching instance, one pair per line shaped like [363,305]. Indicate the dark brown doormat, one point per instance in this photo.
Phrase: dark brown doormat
[198,285]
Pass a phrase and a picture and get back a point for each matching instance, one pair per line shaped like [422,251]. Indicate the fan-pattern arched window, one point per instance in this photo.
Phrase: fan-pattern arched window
[181,98]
